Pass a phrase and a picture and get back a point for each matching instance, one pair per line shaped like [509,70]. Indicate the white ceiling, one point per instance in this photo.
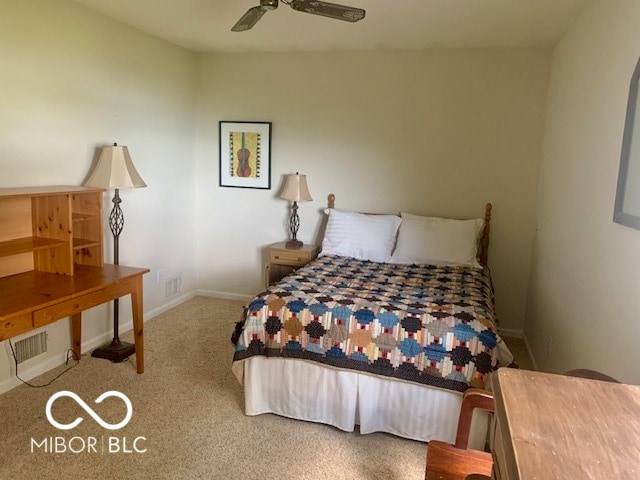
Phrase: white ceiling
[205,25]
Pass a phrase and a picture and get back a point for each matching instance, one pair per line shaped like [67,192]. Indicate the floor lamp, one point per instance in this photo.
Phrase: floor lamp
[115,170]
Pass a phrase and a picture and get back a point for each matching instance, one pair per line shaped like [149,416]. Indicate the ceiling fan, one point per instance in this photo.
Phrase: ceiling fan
[317,7]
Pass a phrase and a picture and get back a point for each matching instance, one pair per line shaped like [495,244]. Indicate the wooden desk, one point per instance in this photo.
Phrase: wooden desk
[33,299]
[560,427]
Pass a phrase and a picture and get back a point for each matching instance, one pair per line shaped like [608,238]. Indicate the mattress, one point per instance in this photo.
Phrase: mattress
[428,324]
[387,347]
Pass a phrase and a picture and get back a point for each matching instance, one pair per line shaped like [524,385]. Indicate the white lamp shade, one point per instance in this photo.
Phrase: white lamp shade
[115,170]
[295,188]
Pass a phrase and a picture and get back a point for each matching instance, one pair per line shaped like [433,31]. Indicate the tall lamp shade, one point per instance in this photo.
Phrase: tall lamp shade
[295,190]
[115,169]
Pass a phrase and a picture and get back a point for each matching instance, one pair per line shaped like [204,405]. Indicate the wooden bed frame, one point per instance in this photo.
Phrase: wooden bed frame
[483,244]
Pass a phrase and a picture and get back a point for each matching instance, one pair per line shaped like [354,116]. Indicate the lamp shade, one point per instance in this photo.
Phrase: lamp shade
[115,170]
[295,188]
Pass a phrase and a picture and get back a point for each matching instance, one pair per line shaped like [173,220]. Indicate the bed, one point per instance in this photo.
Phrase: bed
[385,329]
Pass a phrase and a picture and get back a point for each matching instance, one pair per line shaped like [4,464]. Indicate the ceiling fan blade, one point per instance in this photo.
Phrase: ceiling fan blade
[249,19]
[326,9]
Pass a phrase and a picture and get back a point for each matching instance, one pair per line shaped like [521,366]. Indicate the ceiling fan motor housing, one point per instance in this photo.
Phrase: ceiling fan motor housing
[316,7]
[269,4]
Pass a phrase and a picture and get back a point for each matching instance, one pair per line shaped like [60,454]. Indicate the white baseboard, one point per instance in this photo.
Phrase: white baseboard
[128,325]
[87,345]
[105,337]
[530,352]
[225,295]
[511,332]
[32,372]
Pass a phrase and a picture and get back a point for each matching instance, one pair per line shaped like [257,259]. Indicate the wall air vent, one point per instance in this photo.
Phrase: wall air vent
[31,346]
[172,286]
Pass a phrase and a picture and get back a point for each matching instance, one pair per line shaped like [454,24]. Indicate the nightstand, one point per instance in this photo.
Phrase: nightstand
[283,261]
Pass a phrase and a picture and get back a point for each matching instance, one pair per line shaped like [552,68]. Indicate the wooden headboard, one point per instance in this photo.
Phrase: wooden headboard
[483,244]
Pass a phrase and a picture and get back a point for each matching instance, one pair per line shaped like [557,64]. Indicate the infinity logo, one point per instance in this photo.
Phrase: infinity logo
[89,410]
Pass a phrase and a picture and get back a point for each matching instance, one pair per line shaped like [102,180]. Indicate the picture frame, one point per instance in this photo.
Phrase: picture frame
[627,202]
[245,154]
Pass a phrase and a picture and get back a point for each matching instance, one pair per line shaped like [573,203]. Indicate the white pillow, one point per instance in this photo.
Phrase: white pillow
[438,241]
[358,235]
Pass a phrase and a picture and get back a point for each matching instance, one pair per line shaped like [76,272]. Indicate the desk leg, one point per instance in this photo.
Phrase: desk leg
[76,333]
[136,307]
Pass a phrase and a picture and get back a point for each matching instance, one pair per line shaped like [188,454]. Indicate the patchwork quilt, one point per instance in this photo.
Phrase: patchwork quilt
[428,324]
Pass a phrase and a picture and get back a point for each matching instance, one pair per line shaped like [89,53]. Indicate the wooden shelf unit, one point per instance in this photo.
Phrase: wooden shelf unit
[50,229]
[52,266]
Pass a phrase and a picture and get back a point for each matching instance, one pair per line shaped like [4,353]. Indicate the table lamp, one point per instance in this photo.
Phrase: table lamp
[295,190]
[115,170]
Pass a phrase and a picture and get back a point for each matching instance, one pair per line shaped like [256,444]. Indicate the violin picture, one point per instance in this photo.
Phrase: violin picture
[243,154]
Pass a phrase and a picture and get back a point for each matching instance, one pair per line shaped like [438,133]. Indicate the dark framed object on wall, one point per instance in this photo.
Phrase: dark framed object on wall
[245,154]
[627,206]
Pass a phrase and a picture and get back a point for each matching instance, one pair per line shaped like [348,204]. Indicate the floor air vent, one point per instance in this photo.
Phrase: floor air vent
[31,346]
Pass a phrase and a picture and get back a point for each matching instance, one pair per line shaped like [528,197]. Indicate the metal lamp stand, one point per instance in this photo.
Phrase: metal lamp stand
[116,351]
[294,224]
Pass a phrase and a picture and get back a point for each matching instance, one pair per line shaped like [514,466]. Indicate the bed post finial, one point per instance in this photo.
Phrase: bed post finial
[484,241]
[332,200]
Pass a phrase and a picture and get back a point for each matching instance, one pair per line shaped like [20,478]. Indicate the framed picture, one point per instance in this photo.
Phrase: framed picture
[627,205]
[245,154]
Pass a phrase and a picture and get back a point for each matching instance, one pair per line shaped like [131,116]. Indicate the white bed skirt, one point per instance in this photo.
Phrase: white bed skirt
[312,392]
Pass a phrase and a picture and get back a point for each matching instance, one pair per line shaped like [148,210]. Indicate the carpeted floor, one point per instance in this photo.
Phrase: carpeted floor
[188,406]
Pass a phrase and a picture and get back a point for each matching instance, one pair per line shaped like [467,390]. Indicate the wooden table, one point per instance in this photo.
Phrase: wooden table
[34,299]
[559,427]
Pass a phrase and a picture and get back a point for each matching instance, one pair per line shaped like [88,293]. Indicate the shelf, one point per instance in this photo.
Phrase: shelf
[46,191]
[83,217]
[47,229]
[79,243]
[27,244]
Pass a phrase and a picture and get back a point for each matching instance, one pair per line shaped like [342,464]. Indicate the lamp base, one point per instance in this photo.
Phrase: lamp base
[116,351]
[293,244]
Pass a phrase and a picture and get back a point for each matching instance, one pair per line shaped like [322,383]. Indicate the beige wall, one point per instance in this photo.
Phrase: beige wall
[439,132]
[584,287]
[71,81]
